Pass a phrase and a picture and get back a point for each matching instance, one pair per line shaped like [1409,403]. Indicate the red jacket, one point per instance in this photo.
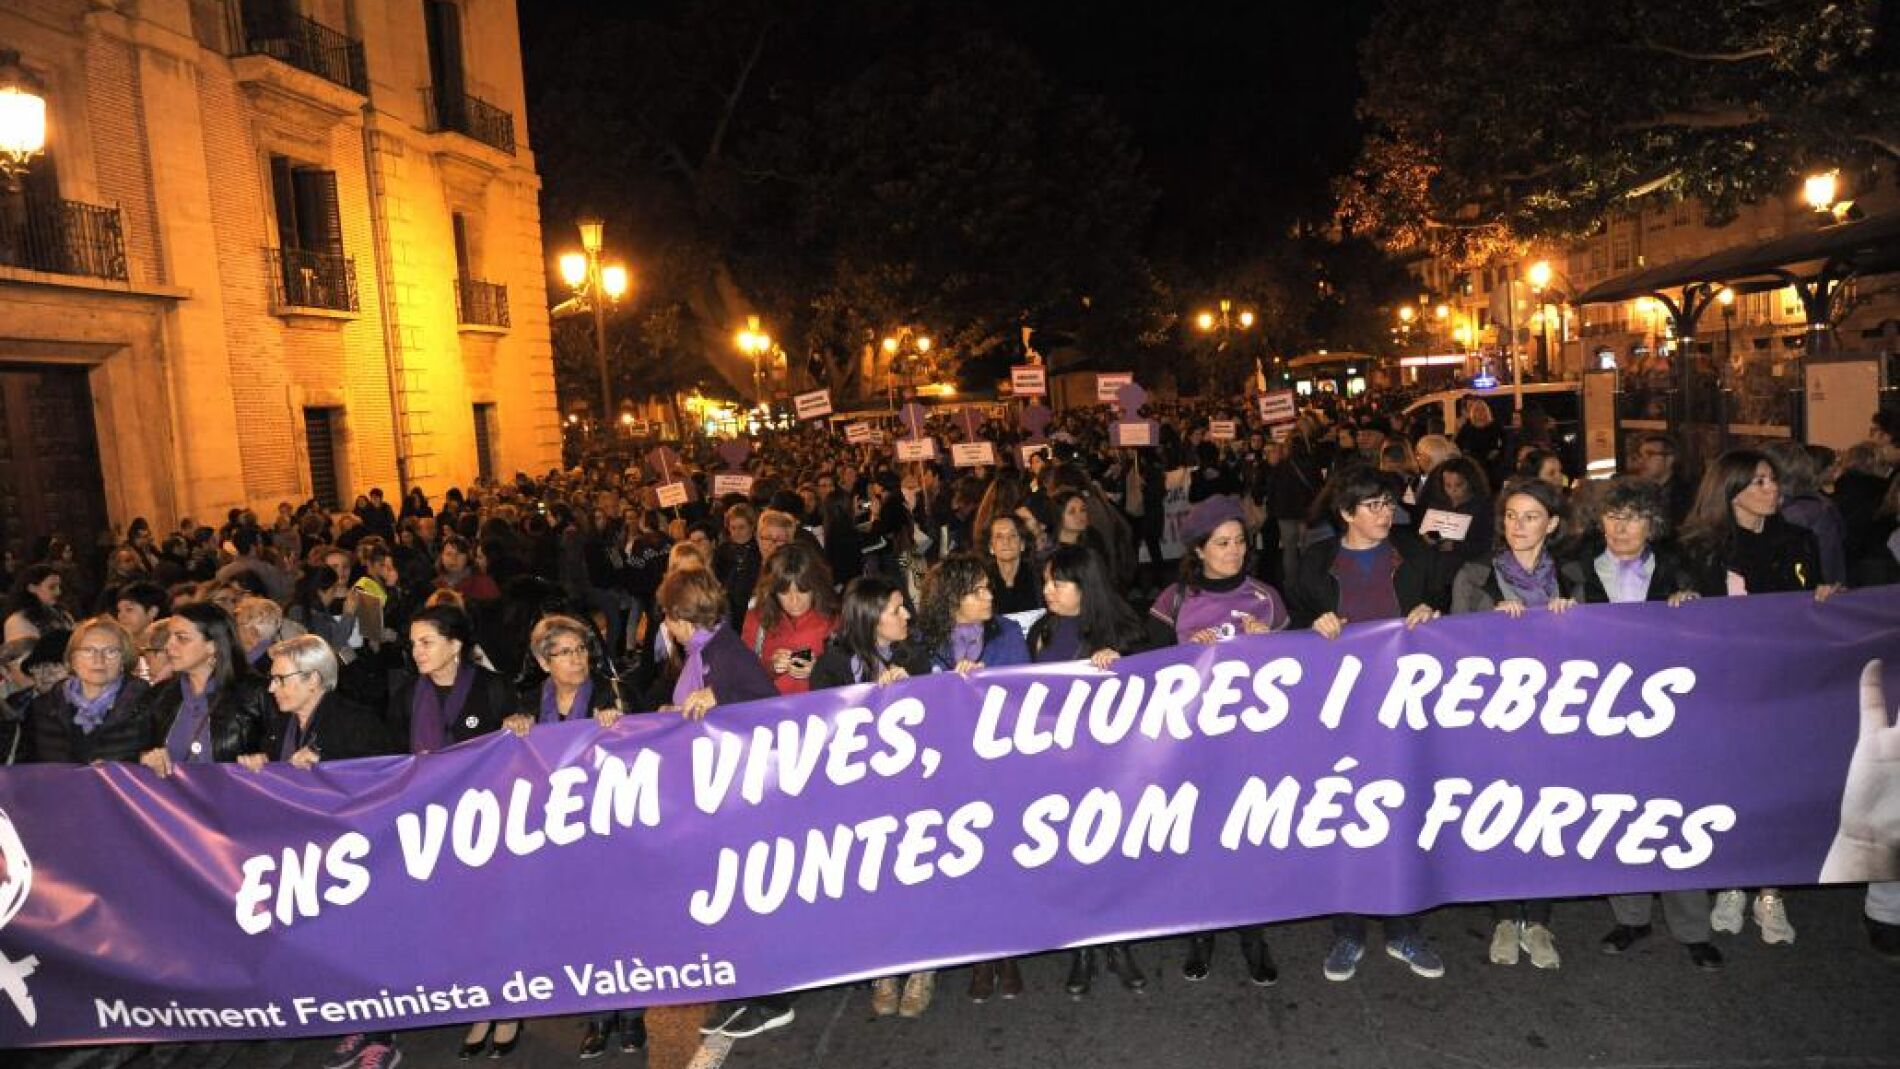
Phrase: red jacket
[809,632]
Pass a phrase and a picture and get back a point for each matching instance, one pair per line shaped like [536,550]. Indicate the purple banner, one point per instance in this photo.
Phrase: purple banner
[866,831]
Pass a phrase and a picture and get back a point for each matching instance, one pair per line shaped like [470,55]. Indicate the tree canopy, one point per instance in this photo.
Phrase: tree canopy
[1494,122]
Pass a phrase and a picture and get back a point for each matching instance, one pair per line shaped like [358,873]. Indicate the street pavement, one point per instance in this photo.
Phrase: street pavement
[1827,1001]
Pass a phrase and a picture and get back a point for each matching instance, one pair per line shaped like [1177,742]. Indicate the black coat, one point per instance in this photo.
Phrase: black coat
[1423,578]
[339,730]
[489,702]
[1669,575]
[241,714]
[53,738]
[1782,558]
[834,665]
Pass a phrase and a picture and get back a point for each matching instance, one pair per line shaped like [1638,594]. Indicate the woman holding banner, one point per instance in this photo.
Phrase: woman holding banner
[1739,543]
[93,715]
[1088,620]
[213,708]
[1627,558]
[1521,575]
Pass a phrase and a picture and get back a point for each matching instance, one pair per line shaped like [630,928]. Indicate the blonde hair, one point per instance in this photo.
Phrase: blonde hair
[128,649]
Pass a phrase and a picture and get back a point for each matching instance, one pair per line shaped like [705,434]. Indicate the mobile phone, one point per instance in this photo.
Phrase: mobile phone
[802,655]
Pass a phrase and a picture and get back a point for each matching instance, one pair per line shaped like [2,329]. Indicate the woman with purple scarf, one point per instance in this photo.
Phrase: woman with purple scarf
[93,715]
[717,668]
[213,708]
[1521,575]
[572,690]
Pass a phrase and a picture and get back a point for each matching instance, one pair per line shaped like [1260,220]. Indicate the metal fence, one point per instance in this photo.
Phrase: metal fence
[64,237]
[304,279]
[470,116]
[481,303]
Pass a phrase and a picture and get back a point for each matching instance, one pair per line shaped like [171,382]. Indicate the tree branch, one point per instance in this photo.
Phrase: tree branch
[1699,120]
[1884,144]
[668,148]
[732,99]
[1744,56]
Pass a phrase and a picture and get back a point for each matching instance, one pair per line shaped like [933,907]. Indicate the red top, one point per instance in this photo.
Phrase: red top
[808,632]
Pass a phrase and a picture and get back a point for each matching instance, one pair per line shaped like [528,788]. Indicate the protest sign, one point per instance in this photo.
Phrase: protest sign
[973,454]
[1138,432]
[916,449]
[1030,452]
[1450,526]
[671,495]
[726,483]
[857,433]
[812,405]
[1220,430]
[1279,406]
[1109,383]
[1028,380]
[875,830]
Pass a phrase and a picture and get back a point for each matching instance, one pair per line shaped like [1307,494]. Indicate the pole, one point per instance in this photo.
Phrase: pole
[597,296]
[1510,332]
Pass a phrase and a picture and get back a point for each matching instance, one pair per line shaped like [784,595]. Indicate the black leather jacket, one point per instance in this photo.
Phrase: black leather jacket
[53,738]
[241,714]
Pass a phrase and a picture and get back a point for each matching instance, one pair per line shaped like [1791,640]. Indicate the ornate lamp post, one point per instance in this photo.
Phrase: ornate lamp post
[22,120]
[598,285]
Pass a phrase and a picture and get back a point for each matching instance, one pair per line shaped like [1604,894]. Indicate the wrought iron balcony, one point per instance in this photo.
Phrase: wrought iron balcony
[482,304]
[471,117]
[63,237]
[272,28]
[301,278]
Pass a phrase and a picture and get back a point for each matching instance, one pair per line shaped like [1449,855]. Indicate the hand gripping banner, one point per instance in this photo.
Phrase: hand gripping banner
[872,830]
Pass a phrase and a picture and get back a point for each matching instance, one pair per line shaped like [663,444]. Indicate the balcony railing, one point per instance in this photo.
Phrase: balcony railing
[304,279]
[482,304]
[268,28]
[63,237]
[470,116]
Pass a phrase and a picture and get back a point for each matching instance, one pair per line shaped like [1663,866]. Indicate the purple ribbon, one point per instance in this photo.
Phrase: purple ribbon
[693,671]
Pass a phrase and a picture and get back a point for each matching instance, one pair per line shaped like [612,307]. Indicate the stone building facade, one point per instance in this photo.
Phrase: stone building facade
[275,249]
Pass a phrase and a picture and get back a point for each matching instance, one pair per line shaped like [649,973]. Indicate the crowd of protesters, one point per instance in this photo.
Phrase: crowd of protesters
[402,628]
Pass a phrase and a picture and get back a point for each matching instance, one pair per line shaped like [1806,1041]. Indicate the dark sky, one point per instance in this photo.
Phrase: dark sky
[1241,111]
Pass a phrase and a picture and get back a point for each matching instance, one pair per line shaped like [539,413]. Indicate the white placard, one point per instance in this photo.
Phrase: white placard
[671,495]
[1138,433]
[1029,380]
[726,483]
[1220,430]
[857,433]
[909,449]
[1281,431]
[1110,383]
[1450,526]
[1279,406]
[813,405]
[1028,453]
[973,454]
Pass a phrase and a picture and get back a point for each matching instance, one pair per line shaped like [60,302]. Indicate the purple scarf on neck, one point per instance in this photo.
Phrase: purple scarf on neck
[430,717]
[189,740]
[1535,587]
[90,713]
[693,671]
[551,706]
[966,643]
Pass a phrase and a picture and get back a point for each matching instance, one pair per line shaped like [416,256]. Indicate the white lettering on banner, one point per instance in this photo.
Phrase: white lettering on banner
[1110,383]
[812,405]
[1028,380]
[727,483]
[1279,406]
[634,977]
[973,454]
[916,449]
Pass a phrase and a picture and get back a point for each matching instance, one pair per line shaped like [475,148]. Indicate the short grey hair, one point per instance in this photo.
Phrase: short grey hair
[310,654]
[552,627]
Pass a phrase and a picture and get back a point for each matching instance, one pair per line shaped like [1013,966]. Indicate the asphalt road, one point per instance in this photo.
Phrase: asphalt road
[1827,1001]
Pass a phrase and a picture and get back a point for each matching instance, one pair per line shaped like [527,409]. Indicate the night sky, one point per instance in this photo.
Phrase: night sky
[1242,111]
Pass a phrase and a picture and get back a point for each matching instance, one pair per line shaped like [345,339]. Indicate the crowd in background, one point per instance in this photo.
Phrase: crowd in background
[316,634]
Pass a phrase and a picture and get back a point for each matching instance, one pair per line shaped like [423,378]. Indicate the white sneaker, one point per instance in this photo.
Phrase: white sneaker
[1772,915]
[1727,914]
[1504,943]
[1541,946]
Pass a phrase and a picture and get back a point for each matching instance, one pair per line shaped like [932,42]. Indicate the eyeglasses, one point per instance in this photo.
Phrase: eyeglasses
[566,652]
[1377,504]
[101,653]
[278,681]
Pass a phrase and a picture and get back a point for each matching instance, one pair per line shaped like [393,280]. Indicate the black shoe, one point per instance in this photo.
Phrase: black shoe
[1200,955]
[593,1042]
[1624,936]
[1261,971]
[1010,976]
[1121,961]
[1885,938]
[982,981]
[1705,956]
[1081,971]
[500,1049]
[633,1034]
[480,1046]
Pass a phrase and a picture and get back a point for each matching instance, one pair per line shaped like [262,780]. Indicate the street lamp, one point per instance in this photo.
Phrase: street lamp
[907,347]
[1823,194]
[1540,275]
[598,285]
[1227,321]
[22,119]
[755,343]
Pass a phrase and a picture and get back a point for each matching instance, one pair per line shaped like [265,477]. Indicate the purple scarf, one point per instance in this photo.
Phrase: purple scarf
[188,742]
[966,643]
[429,718]
[89,714]
[256,653]
[551,708]
[693,671]
[1535,587]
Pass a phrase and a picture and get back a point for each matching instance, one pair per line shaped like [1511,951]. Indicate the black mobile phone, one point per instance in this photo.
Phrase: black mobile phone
[802,655]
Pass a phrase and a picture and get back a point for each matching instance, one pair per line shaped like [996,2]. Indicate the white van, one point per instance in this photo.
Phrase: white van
[1561,401]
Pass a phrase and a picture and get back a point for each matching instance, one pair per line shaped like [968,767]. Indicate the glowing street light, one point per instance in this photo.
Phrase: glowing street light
[1821,191]
[600,285]
[22,119]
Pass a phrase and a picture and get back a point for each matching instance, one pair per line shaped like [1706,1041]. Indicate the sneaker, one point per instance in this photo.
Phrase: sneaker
[1343,960]
[884,996]
[379,1056]
[722,1016]
[1771,913]
[1504,943]
[1541,945]
[751,1020]
[1413,950]
[917,991]
[1727,914]
[343,1055]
